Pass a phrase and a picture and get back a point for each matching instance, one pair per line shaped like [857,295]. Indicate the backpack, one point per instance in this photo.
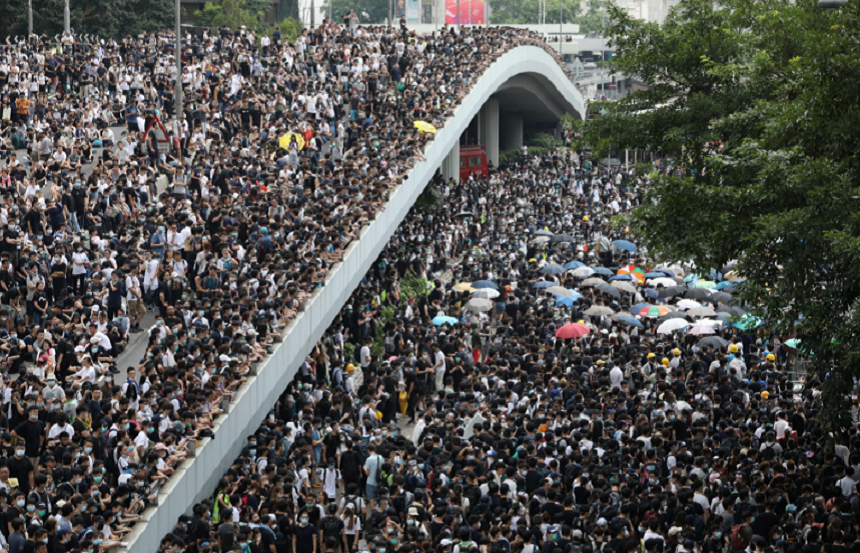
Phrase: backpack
[282,544]
[737,539]
[768,453]
[331,526]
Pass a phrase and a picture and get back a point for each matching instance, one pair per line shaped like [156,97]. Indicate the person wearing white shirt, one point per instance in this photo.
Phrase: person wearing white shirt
[59,428]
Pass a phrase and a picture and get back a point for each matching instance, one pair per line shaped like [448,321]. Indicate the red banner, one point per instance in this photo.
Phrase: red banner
[471,12]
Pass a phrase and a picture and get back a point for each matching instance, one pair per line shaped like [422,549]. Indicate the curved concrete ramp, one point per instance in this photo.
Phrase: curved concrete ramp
[197,478]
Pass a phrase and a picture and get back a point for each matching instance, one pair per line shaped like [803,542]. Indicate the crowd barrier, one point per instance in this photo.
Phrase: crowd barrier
[198,476]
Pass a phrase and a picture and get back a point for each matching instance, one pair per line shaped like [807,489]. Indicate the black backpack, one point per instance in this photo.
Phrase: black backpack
[768,453]
[282,544]
[331,526]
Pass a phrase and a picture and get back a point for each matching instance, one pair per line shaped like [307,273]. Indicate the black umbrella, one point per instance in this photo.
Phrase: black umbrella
[561,238]
[720,297]
[714,341]
[607,289]
[671,291]
[675,315]
[732,310]
[697,294]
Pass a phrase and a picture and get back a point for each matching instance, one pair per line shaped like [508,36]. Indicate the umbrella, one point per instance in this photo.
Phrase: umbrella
[543,233]
[793,343]
[651,293]
[688,304]
[424,126]
[654,311]
[562,238]
[709,284]
[699,330]
[672,291]
[675,270]
[609,290]
[621,277]
[598,311]
[543,284]
[720,297]
[552,269]
[747,322]
[560,291]
[539,240]
[443,320]
[568,301]
[662,281]
[723,317]
[620,315]
[583,272]
[624,286]
[672,325]
[574,265]
[633,271]
[697,294]
[716,341]
[692,276]
[593,281]
[709,322]
[465,214]
[284,141]
[625,245]
[572,330]
[631,321]
[655,275]
[676,315]
[724,284]
[602,271]
[486,293]
[464,287]
[485,284]
[701,312]
[732,310]
[478,304]
[639,307]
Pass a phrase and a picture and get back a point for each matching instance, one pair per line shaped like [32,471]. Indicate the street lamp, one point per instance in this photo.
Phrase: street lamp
[66,18]
[178,111]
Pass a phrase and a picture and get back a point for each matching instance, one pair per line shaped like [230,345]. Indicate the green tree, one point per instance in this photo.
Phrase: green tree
[102,18]
[290,29]
[368,11]
[775,82]
[229,13]
[513,12]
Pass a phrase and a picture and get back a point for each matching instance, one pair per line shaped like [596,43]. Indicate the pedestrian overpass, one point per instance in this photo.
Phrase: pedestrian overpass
[522,87]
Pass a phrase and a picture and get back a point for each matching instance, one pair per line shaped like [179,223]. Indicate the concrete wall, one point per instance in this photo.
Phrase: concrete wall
[198,476]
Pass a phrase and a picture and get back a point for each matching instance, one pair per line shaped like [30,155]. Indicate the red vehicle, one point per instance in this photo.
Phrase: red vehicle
[473,161]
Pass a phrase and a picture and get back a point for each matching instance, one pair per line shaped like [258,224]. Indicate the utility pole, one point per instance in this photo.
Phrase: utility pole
[178,110]
[458,15]
[560,25]
[29,20]
[313,13]
[390,13]
[67,17]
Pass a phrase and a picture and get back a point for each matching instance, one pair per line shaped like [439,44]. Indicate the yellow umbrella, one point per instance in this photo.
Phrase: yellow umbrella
[424,126]
[464,287]
[284,141]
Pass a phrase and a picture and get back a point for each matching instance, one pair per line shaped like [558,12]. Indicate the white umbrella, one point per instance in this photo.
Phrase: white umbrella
[709,322]
[478,304]
[486,293]
[598,311]
[672,325]
[699,330]
[701,312]
[676,269]
[583,272]
[688,304]
[539,240]
[662,281]
[592,282]
[560,291]
[623,286]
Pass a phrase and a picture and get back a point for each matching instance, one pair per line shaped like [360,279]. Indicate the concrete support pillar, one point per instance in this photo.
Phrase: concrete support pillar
[488,130]
[511,131]
[451,165]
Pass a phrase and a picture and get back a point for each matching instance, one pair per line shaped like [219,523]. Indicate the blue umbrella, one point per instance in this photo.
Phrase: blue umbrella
[692,276]
[625,245]
[442,319]
[655,275]
[541,284]
[567,302]
[724,284]
[485,284]
[551,269]
[574,265]
[631,321]
[621,277]
[651,293]
[640,306]
[602,271]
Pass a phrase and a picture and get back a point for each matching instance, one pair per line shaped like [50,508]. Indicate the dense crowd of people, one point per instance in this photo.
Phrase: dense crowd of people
[596,401]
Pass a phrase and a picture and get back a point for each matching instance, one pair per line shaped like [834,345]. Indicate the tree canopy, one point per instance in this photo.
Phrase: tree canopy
[104,18]
[775,81]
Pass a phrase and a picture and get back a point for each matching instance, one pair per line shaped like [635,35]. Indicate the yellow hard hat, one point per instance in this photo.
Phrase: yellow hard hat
[765,395]
[665,361]
[585,218]
[580,322]
[650,355]
[771,357]
[733,348]
[350,367]
[676,351]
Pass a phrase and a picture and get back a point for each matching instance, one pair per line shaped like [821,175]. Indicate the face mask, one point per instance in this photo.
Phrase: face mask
[21,502]
[31,508]
[20,452]
[304,520]
[97,479]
